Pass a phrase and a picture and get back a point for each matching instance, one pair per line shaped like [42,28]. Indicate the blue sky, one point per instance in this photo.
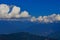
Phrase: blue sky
[36,7]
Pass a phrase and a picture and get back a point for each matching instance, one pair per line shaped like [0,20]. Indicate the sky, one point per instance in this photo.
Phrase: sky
[36,7]
[35,10]
[43,11]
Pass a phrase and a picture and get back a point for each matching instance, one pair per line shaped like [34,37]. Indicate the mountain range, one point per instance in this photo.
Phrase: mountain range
[23,36]
[51,30]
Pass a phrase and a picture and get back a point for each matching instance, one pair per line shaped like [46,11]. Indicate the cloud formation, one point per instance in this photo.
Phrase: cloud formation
[33,19]
[47,19]
[50,18]
[16,13]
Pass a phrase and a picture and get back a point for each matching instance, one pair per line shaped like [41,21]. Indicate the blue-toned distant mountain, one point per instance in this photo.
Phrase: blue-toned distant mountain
[23,36]
[55,35]
[27,26]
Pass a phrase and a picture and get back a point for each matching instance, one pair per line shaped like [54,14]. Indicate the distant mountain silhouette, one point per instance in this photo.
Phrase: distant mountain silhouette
[55,35]
[23,36]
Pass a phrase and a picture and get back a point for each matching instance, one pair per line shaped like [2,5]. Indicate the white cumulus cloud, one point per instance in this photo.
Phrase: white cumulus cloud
[4,9]
[16,13]
[33,19]
[24,14]
[57,17]
[50,18]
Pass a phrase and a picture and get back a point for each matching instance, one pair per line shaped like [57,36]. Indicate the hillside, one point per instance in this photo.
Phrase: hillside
[55,35]
[23,36]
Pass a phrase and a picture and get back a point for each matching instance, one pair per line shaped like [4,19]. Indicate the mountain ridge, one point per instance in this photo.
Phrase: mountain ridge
[23,36]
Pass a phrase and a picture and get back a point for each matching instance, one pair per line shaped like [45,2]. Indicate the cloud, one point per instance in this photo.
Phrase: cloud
[40,18]
[47,19]
[4,9]
[33,19]
[50,18]
[24,14]
[16,13]
[57,17]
